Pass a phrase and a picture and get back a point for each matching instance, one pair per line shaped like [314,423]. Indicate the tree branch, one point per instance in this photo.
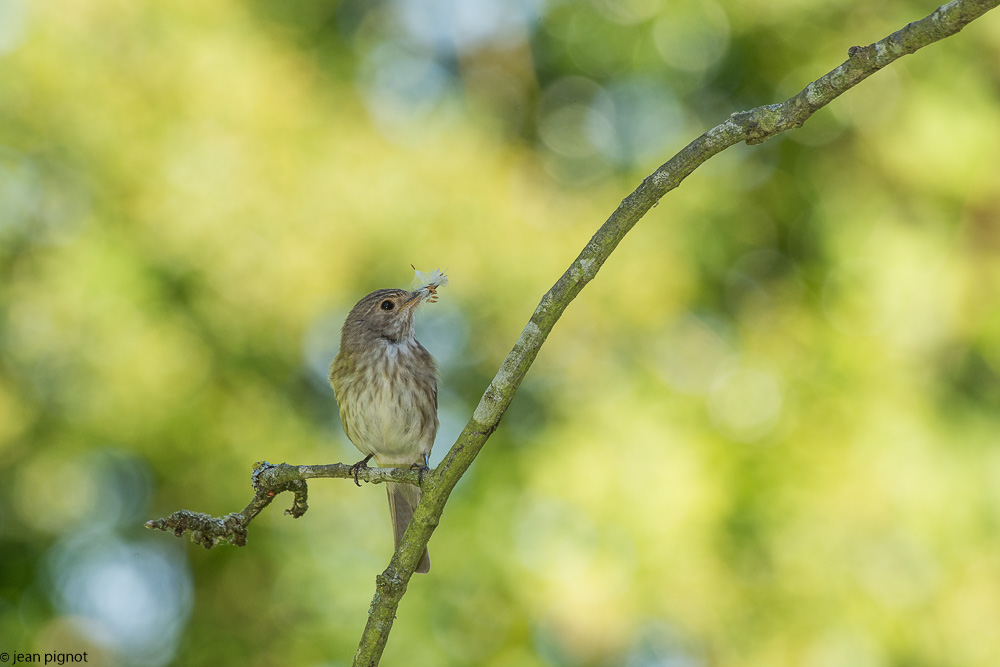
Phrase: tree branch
[753,127]
[268,480]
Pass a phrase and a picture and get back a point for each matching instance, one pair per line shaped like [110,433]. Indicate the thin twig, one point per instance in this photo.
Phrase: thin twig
[268,481]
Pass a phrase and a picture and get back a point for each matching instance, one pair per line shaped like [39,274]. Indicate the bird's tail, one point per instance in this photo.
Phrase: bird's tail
[403,498]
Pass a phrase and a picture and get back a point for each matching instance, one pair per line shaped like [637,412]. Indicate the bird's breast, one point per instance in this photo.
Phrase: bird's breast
[389,402]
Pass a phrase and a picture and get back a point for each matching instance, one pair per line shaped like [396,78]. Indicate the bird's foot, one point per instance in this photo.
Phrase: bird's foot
[421,468]
[356,468]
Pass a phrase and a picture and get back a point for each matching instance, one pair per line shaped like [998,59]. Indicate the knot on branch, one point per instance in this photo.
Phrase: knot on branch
[756,126]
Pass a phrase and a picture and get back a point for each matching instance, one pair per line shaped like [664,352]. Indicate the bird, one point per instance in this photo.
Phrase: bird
[385,385]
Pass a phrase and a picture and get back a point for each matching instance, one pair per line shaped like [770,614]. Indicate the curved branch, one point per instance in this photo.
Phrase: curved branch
[268,481]
[753,127]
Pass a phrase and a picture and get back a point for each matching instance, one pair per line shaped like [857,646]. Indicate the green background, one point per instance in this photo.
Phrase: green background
[768,433]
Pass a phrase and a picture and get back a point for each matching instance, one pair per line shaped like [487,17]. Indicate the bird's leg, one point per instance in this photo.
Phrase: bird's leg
[421,468]
[356,468]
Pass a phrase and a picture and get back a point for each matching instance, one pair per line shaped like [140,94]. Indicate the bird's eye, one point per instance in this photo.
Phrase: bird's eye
[388,305]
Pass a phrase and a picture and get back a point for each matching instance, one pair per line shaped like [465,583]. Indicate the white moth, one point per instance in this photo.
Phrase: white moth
[428,282]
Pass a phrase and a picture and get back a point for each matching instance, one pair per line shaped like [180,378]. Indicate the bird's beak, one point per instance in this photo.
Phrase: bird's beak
[411,301]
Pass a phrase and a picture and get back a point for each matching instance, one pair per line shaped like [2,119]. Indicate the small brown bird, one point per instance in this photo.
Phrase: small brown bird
[385,383]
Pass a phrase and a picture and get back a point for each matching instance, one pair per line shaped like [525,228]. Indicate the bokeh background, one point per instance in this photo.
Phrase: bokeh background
[768,433]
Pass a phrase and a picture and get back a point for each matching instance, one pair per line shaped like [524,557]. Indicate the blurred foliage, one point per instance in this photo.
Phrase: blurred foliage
[767,434]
